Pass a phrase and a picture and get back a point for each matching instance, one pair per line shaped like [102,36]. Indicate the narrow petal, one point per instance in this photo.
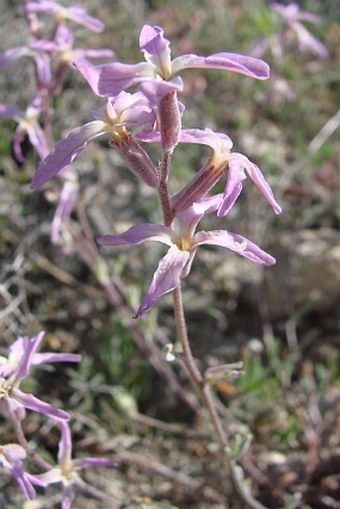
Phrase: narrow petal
[80,463]
[233,187]
[257,177]
[137,235]
[238,164]
[235,242]
[38,139]
[29,347]
[23,481]
[165,279]
[190,217]
[41,358]
[9,112]
[36,405]
[78,14]
[65,151]
[241,64]
[65,445]
[12,54]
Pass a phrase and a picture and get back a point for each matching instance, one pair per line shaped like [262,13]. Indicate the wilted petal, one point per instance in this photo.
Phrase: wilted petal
[165,279]
[241,64]
[66,151]
[235,242]
[137,235]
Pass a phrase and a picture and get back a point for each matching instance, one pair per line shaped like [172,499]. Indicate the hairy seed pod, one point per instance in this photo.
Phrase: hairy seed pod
[138,161]
[169,121]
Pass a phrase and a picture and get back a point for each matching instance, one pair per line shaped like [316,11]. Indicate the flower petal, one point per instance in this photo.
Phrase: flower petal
[257,177]
[137,235]
[155,48]
[12,54]
[80,463]
[241,64]
[165,279]
[36,405]
[234,242]
[65,151]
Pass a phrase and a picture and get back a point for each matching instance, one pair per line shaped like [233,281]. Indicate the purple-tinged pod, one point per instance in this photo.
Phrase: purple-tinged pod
[137,160]
[169,121]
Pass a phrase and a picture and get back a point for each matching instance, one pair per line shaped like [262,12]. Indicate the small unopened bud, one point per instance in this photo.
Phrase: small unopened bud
[138,161]
[169,121]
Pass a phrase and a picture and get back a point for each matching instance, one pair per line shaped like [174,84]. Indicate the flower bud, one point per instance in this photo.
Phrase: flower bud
[138,160]
[169,121]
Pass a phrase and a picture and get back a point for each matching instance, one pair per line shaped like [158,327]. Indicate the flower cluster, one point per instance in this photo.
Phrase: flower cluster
[51,52]
[152,113]
[13,404]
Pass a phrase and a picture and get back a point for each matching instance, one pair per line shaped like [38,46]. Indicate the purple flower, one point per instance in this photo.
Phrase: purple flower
[238,166]
[110,79]
[126,110]
[14,369]
[293,15]
[11,457]
[17,351]
[67,470]
[75,13]
[183,244]
[62,47]
[28,123]
[33,50]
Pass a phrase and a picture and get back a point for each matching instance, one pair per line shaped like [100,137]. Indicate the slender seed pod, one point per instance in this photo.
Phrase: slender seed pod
[169,121]
[137,160]
[198,187]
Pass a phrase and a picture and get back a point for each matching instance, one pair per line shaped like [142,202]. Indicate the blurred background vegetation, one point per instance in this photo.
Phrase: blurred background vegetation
[282,322]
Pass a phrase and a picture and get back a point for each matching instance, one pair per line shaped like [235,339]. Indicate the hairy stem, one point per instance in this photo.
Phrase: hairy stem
[207,397]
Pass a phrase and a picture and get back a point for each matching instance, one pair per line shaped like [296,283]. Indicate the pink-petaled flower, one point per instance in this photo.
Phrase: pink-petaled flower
[67,470]
[14,369]
[183,243]
[75,13]
[125,111]
[110,79]
[11,458]
[28,123]
[236,165]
